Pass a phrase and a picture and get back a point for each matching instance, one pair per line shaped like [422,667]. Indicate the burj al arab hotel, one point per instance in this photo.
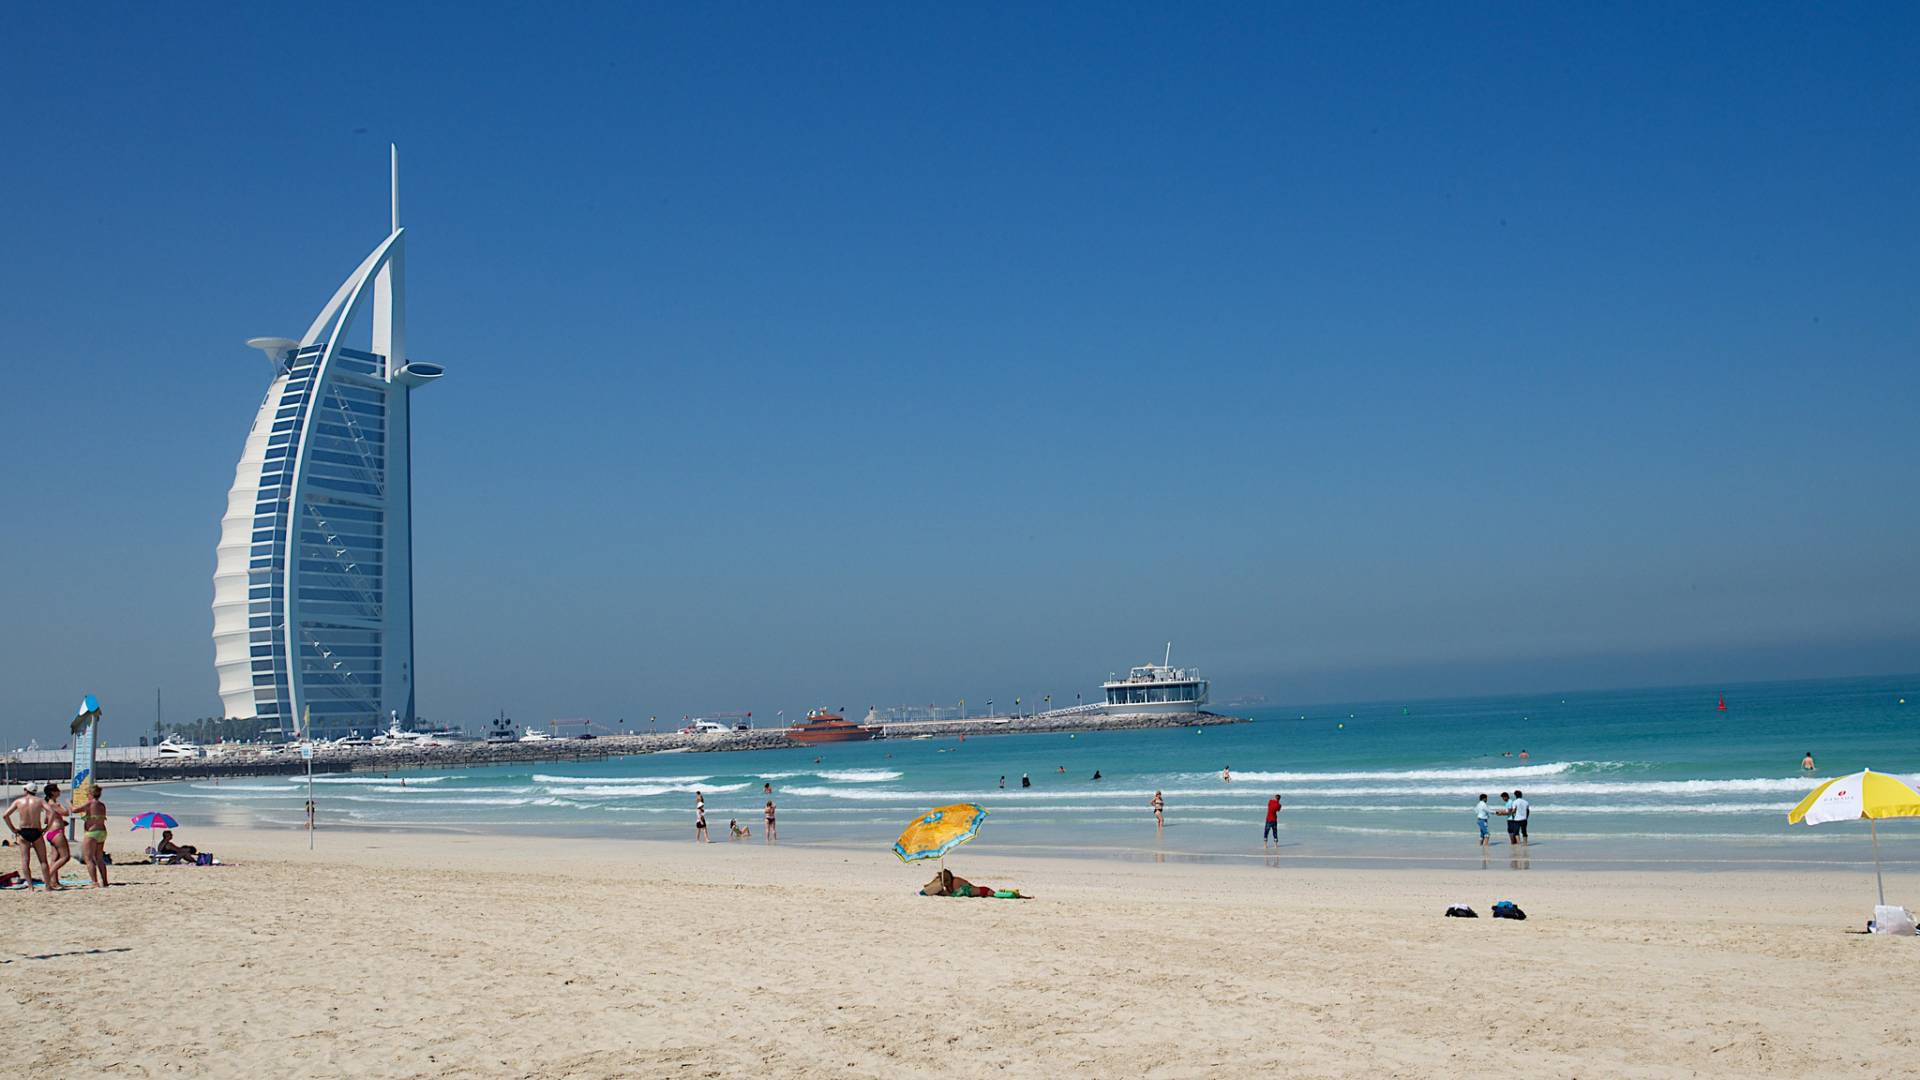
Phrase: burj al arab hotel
[313,586]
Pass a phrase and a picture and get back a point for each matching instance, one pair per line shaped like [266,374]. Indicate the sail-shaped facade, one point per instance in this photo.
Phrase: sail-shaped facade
[313,580]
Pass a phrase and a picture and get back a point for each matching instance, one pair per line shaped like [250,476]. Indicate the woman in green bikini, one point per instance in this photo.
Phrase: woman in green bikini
[94,851]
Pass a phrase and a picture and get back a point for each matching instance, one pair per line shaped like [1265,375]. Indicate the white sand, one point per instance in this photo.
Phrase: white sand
[411,955]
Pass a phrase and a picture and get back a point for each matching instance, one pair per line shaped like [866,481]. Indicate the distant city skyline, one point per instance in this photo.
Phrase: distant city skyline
[852,358]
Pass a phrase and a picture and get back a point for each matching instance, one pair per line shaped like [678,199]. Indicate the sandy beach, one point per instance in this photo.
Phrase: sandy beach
[413,955]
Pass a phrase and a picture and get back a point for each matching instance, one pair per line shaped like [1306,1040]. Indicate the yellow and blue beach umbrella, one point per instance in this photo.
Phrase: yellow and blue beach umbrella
[939,831]
[1865,794]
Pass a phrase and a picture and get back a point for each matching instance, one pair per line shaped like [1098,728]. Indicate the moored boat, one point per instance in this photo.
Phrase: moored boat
[823,726]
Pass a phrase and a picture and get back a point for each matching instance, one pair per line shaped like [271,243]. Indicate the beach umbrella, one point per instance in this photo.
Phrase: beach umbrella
[1865,794]
[939,831]
[154,819]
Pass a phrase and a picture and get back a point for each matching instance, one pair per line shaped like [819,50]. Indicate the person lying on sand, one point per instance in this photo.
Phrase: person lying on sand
[945,883]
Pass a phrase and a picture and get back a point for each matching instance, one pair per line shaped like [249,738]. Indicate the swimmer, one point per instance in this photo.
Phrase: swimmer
[1807,762]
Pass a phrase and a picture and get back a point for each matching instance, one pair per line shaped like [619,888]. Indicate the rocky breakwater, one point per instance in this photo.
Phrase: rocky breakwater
[257,761]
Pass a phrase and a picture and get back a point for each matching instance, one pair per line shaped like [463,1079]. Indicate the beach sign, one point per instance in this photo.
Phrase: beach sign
[85,730]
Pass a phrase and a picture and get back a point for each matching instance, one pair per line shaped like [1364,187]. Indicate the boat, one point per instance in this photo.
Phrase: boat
[823,726]
[705,727]
[500,729]
[534,734]
[1155,690]
[174,747]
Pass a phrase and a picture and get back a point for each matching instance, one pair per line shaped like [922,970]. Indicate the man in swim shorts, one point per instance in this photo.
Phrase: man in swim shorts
[27,817]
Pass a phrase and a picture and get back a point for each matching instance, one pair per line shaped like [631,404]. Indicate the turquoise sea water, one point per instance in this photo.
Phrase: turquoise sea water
[1644,777]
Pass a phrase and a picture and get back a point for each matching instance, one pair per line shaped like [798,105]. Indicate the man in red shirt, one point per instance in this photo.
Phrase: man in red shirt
[1273,822]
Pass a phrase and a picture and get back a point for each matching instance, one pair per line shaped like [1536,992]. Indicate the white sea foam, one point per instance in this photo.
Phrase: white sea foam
[301,780]
[1502,772]
[858,776]
[280,788]
[641,791]
[542,778]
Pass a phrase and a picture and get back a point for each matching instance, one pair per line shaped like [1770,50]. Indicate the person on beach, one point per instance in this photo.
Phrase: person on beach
[1523,755]
[167,847]
[736,831]
[1522,810]
[93,810]
[1506,811]
[1003,783]
[1480,814]
[770,837]
[700,824]
[1024,781]
[27,818]
[1226,775]
[1159,811]
[56,836]
[1271,834]
[1807,762]
[766,788]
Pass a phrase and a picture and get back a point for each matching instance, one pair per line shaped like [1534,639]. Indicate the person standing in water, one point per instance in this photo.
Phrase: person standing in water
[700,824]
[1226,775]
[1024,781]
[1159,811]
[1272,832]
[769,834]
[1480,813]
[1807,762]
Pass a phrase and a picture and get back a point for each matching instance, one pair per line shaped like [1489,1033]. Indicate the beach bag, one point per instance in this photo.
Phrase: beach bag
[1888,919]
[203,859]
[1507,909]
[1461,911]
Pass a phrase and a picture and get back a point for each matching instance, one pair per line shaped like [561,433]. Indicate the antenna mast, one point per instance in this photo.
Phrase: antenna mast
[1168,662]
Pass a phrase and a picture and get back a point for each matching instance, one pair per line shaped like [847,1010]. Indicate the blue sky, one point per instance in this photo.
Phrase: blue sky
[872,355]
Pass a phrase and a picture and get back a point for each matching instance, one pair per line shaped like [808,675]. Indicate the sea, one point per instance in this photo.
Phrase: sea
[1630,779]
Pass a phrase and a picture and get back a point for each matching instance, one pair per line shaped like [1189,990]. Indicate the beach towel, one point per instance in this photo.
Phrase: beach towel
[1461,911]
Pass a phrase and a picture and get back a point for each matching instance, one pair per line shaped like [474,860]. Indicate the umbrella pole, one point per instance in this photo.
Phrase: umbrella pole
[1877,879]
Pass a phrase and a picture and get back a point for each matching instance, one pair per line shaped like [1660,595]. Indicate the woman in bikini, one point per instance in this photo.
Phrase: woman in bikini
[1159,810]
[94,851]
[57,844]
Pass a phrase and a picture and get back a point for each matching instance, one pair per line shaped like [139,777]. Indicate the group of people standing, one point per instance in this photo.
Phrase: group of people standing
[735,830]
[1514,807]
[38,822]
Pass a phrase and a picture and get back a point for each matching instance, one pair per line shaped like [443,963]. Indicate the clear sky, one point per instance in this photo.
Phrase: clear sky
[882,354]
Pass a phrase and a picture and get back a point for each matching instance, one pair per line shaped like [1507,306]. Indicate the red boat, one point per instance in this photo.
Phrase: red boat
[822,726]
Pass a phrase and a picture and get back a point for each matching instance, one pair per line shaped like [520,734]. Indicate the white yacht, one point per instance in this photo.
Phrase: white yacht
[534,734]
[174,747]
[1152,689]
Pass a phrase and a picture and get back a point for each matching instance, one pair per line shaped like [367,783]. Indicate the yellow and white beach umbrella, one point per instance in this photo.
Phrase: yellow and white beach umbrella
[1865,794]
